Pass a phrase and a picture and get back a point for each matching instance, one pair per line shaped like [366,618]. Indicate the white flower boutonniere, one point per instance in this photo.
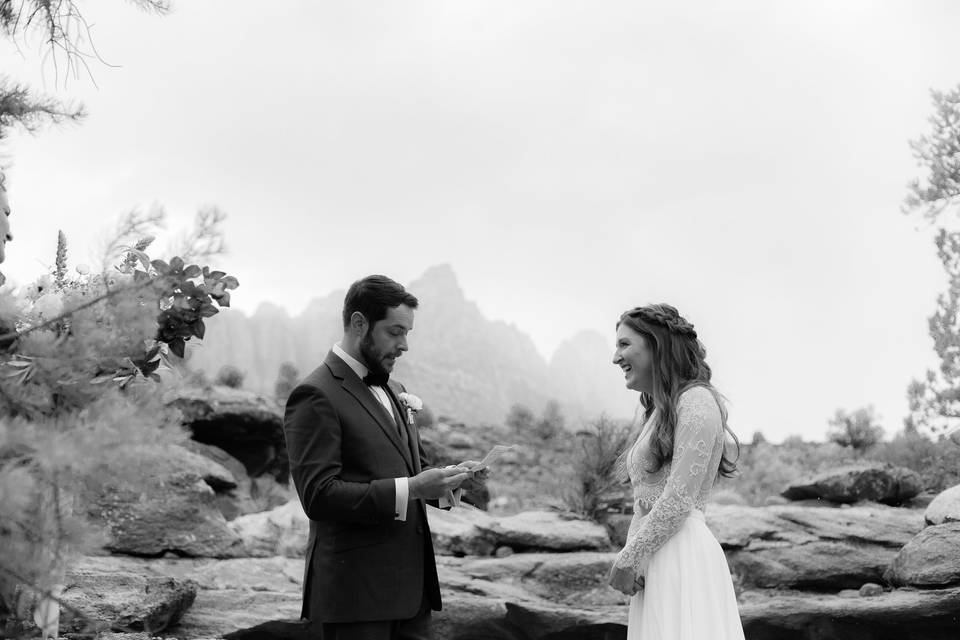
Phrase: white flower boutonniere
[412,404]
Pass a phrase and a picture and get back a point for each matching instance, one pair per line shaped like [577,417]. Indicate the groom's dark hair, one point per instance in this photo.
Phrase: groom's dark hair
[372,296]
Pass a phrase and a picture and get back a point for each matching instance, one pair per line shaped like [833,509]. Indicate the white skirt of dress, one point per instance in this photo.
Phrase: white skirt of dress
[689,593]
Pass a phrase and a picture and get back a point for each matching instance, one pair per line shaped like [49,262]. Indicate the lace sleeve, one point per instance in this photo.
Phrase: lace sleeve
[698,430]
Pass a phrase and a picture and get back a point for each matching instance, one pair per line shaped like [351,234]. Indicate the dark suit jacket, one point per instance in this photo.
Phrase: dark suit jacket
[345,451]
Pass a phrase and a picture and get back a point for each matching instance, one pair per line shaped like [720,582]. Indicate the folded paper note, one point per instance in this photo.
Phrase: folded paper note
[497,451]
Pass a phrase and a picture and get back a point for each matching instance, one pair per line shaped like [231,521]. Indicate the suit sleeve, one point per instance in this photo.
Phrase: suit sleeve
[314,433]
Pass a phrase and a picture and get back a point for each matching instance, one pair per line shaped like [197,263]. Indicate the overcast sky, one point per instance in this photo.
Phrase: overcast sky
[744,160]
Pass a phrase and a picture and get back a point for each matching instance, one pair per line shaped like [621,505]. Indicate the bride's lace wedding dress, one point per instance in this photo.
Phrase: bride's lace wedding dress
[688,593]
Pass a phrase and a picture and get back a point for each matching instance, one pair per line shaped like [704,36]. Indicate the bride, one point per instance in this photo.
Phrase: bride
[672,565]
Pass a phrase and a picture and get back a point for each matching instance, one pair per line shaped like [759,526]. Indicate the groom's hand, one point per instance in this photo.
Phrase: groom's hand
[477,472]
[433,484]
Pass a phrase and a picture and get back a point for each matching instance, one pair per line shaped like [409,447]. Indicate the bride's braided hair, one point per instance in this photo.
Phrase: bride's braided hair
[679,364]
[665,315]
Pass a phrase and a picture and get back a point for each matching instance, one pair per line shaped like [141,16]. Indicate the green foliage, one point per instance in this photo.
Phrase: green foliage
[520,418]
[765,469]
[230,376]
[858,429]
[551,423]
[81,356]
[21,106]
[594,486]
[186,299]
[938,463]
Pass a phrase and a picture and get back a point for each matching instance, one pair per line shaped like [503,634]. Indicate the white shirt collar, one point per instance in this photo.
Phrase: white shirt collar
[358,367]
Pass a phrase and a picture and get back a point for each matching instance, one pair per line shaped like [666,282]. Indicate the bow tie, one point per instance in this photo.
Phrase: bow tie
[376,379]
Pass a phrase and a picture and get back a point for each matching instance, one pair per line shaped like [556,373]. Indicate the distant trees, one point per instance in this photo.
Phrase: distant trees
[287,378]
[858,429]
[551,422]
[230,376]
[520,418]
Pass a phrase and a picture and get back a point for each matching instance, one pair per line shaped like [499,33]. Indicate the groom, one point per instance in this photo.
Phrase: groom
[358,467]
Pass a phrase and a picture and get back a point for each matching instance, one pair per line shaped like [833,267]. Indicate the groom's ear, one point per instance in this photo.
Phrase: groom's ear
[358,324]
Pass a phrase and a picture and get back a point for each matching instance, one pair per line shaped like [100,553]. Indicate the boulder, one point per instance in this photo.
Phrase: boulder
[233,502]
[282,531]
[945,507]
[547,530]
[158,499]
[811,547]
[575,578]
[931,559]
[456,531]
[902,614]
[230,594]
[466,617]
[122,596]
[874,482]
[245,425]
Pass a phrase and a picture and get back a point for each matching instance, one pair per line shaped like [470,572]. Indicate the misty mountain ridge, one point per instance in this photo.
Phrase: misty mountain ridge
[462,364]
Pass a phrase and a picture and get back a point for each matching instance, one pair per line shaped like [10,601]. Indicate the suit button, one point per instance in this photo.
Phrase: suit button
[419,528]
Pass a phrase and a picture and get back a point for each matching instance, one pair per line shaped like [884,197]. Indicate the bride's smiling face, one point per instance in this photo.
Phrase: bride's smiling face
[635,357]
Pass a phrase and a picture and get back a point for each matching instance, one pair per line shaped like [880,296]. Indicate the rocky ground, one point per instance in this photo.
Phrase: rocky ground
[209,546]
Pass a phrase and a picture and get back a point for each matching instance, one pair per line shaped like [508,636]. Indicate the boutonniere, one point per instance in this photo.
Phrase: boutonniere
[412,404]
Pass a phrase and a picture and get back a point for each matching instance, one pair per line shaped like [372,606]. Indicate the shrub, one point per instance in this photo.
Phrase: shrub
[594,487]
[287,378]
[520,418]
[551,423]
[230,376]
[80,360]
[938,463]
[858,430]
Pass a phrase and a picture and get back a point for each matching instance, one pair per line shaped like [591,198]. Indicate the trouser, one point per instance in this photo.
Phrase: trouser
[416,628]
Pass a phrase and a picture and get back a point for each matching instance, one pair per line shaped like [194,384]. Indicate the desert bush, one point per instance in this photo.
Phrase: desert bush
[937,462]
[857,429]
[765,469]
[287,378]
[551,423]
[520,418]
[230,376]
[594,486]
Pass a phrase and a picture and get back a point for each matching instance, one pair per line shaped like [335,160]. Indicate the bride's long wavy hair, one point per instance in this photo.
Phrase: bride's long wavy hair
[679,363]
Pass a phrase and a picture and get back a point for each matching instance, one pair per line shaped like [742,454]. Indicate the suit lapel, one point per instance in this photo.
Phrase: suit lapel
[408,428]
[353,385]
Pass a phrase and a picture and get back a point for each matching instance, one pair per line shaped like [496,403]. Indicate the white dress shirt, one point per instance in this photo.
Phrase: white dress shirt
[402,484]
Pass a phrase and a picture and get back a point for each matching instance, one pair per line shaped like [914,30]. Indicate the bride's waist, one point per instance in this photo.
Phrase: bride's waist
[641,513]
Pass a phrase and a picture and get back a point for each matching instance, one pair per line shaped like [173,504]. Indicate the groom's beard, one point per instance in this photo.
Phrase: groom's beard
[373,358]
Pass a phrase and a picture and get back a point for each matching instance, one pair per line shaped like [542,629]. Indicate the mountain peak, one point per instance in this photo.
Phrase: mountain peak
[437,281]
